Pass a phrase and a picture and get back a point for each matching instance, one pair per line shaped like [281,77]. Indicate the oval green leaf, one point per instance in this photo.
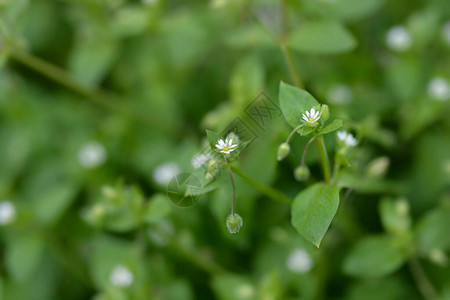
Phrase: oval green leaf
[313,210]
[294,102]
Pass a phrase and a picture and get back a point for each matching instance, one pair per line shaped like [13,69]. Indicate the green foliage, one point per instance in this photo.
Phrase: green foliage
[313,210]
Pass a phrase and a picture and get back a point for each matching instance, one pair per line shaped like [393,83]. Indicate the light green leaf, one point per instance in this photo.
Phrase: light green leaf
[432,230]
[395,215]
[335,125]
[322,37]
[372,257]
[213,137]
[233,287]
[157,209]
[345,9]
[23,255]
[294,102]
[313,210]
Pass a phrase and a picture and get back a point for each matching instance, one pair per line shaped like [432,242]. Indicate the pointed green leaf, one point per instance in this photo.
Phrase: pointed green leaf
[313,210]
[322,37]
[335,125]
[373,256]
[213,137]
[294,102]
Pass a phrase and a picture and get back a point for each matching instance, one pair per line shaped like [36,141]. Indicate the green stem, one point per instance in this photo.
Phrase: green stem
[291,66]
[336,169]
[269,192]
[324,158]
[424,285]
[234,190]
[306,150]
[293,132]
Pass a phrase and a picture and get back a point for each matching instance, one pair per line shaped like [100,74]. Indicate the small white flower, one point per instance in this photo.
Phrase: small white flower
[92,155]
[339,94]
[439,89]
[446,32]
[311,117]
[7,212]
[200,159]
[121,276]
[347,138]
[226,147]
[165,172]
[398,39]
[299,261]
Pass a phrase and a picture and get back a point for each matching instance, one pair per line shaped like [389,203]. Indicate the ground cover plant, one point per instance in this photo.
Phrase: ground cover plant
[224,149]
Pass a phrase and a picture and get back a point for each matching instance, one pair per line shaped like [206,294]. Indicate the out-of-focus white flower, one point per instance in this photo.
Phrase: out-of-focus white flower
[200,159]
[311,117]
[339,94]
[165,172]
[439,89]
[398,39]
[299,261]
[92,155]
[7,212]
[121,276]
[226,147]
[347,138]
[149,2]
[446,32]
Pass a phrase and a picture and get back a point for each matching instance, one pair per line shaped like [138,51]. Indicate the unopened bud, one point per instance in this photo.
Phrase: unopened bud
[109,192]
[234,223]
[324,112]
[402,207]
[301,173]
[213,166]
[378,167]
[232,136]
[283,151]
[438,257]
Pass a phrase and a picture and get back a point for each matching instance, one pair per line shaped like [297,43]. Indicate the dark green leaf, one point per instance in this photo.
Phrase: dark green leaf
[335,125]
[313,210]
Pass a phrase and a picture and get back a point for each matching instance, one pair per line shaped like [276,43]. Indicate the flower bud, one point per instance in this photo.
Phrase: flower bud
[234,223]
[283,151]
[324,112]
[438,257]
[232,136]
[301,173]
[109,192]
[213,167]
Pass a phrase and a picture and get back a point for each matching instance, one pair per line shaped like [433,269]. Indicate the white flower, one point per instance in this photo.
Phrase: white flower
[226,147]
[311,117]
[200,159]
[299,261]
[92,155]
[339,94]
[446,32]
[165,172]
[7,212]
[439,89]
[398,39]
[347,138]
[121,276]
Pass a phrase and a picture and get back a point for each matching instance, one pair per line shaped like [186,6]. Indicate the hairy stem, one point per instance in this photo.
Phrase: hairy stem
[293,132]
[234,190]
[269,192]
[324,158]
[424,285]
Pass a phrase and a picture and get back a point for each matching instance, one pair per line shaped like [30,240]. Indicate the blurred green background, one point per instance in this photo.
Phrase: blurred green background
[102,102]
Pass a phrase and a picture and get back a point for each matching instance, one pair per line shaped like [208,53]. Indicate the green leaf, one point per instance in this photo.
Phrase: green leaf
[313,210]
[372,257]
[157,209]
[294,102]
[213,137]
[432,230]
[23,255]
[233,287]
[345,9]
[395,215]
[322,37]
[335,125]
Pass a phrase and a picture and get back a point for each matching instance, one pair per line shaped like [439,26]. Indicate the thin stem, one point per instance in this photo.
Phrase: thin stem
[324,159]
[269,192]
[293,132]
[424,285]
[336,169]
[306,150]
[234,190]
[291,66]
